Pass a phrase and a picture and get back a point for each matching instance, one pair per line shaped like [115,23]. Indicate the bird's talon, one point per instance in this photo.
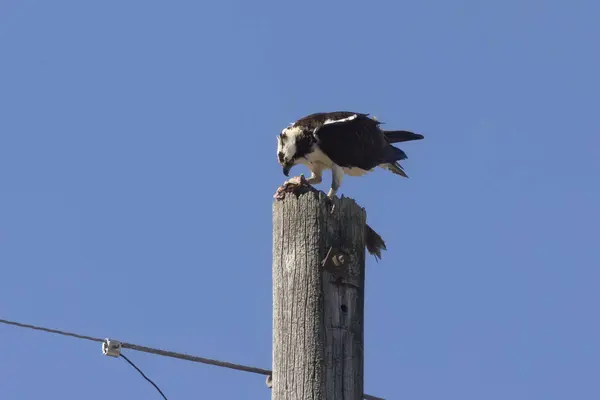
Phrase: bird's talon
[330,204]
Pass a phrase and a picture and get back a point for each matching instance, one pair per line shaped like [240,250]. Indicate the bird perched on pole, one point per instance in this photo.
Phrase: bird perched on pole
[348,143]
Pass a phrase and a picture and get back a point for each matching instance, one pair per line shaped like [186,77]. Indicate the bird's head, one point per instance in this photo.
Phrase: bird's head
[292,144]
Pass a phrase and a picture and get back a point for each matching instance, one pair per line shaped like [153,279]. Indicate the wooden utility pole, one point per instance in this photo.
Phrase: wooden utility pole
[318,298]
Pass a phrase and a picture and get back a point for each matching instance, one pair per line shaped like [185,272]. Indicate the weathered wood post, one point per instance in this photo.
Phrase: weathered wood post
[318,298]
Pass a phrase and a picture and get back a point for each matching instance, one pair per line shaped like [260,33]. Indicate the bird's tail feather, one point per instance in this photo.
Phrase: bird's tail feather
[395,167]
[393,154]
[391,158]
[402,136]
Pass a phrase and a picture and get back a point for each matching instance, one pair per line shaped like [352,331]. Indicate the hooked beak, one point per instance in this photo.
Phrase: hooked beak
[286,169]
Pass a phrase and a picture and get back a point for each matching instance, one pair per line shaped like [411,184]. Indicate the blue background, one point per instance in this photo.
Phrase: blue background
[138,164]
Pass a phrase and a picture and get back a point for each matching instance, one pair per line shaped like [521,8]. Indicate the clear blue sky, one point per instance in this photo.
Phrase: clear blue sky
[137,168]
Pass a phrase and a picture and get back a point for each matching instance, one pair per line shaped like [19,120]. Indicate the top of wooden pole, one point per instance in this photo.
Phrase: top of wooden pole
[298,186]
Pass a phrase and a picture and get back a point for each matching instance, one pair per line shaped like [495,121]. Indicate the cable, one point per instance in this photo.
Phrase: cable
[159,352]
[145,377]
[202,360]
[145,349]
[39,328]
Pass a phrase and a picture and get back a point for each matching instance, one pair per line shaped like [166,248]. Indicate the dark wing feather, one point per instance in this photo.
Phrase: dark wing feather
[312,121]
[355,143]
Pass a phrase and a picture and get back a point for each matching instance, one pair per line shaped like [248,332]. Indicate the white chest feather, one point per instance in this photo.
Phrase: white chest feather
[355,171]
[317,158]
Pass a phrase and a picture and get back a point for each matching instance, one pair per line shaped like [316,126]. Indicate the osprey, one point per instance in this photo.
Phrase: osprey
[346,142]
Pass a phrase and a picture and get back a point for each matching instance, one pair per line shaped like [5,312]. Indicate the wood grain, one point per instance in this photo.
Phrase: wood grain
[318,313]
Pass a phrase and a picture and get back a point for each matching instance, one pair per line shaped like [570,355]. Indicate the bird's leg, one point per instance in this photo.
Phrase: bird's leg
[315,177]
[337,175]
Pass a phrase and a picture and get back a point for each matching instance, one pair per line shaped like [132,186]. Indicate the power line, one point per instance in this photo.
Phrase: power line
[39,328]
[145,349]
[159,352]
[145,377]
[202,360]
